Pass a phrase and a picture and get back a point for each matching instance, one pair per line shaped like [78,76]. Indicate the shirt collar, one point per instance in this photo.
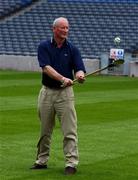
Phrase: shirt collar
[55,44]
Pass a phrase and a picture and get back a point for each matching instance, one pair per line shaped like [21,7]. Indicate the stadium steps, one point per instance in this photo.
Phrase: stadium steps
[10,9]
[93,26]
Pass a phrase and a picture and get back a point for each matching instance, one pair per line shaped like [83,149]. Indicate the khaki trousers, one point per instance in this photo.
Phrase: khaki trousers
[59,102]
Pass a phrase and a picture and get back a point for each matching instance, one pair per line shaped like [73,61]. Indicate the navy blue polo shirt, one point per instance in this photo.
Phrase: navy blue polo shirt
[66,60]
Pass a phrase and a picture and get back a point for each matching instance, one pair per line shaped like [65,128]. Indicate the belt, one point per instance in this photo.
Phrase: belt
[53,88]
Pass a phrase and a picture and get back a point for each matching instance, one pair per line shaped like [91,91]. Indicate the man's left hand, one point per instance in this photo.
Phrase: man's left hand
[80,76]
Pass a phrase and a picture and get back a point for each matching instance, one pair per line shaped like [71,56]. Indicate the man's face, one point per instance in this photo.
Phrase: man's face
[61,30]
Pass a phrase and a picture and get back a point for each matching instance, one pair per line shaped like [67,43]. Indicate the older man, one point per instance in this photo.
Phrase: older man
[60,61]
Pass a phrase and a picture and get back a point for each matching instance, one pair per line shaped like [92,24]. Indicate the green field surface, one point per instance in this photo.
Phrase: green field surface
[107,108]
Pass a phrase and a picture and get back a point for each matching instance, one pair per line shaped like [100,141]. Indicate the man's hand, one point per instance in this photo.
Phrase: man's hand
[66,82]
[80,76]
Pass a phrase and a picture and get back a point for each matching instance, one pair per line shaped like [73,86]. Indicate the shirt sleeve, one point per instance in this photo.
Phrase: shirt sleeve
[77,61]
[43,55]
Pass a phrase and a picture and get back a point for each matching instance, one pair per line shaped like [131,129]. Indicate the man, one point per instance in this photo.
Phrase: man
[60,62]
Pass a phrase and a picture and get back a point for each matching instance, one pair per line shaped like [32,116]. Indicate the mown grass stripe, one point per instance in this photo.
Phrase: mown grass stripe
[17,102]
[104,96]
[17,83]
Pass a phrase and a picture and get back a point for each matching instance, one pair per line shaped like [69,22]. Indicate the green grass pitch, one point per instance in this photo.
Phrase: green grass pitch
[107,109]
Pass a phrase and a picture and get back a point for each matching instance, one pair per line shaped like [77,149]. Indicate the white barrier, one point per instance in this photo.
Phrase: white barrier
[133,65]
[23,63]
[30,63]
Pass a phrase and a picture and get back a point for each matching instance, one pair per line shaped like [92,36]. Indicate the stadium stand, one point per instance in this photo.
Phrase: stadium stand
[94,25]
[8,7]
[101,1]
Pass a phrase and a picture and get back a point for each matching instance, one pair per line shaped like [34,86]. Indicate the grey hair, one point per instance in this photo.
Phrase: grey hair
[57,20]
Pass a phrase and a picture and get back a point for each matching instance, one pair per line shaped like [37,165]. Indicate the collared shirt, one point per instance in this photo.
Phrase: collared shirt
[66,60]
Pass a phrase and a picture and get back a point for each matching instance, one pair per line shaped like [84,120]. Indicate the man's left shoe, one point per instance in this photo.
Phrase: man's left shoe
[70,170]
[38,166]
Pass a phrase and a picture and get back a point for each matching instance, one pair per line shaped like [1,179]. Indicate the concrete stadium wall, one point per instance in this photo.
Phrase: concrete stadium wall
[91,64]
[29,63]
[133,68]
[23,63]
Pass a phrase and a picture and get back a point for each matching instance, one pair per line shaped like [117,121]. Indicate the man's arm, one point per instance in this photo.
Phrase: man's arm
[51,72]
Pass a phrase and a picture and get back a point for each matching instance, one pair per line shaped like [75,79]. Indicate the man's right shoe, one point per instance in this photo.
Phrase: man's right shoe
[70,170]
[38,166]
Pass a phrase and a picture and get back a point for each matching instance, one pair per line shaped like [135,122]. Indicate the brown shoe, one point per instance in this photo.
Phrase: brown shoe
[38,166]
[70,170]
